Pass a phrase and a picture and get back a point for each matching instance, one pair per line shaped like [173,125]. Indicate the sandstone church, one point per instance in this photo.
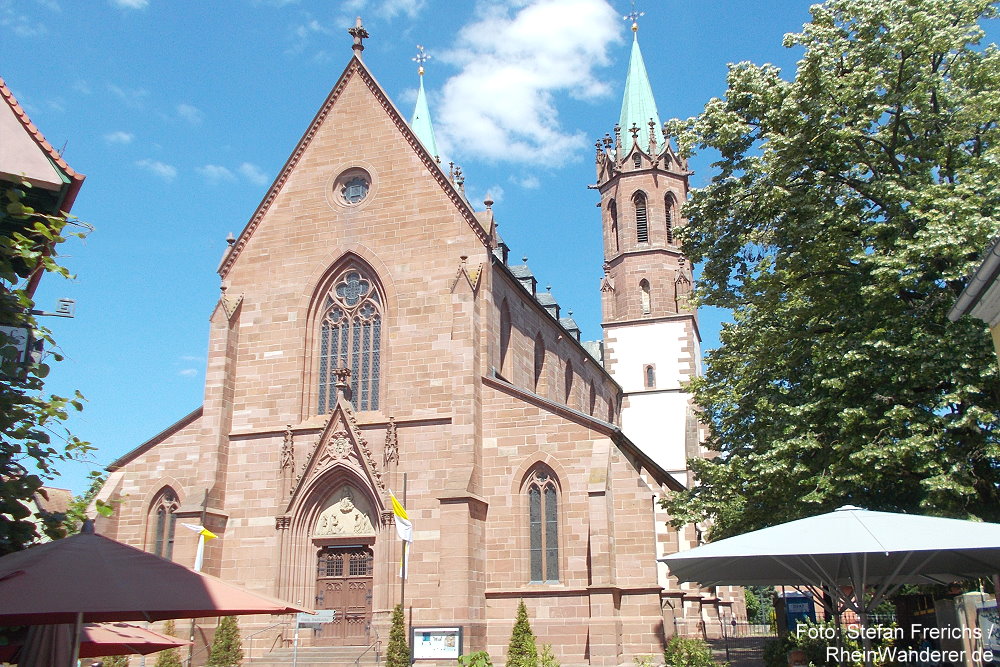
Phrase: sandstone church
[370,335]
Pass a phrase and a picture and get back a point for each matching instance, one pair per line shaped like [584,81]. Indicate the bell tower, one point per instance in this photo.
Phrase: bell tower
[651,340]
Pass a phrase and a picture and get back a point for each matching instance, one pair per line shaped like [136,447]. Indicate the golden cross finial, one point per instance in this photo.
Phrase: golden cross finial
[633,16]
[421,57]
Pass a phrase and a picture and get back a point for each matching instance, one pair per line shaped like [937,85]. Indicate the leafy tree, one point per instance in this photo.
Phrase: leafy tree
[171,657]
[850,205]
[522,650]
[114,661]
[29,420]
[397,653]
[227,647]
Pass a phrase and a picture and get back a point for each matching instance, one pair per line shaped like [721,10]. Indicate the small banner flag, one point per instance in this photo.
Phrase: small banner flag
[404,527]
[201,530]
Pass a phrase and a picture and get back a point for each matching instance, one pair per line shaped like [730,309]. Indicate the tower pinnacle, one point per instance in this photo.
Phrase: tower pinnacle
[421,121]
[359,34]
[638,104]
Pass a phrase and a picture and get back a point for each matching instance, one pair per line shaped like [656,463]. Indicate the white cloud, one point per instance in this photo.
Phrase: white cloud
[132,97]
[528,181]
[165,171]
[502,104]
[478,196]
[21,25]
[190,113]
[188,372]
[215,174]
[119,137]
[392,8]
[82,87]
[131,4]
[253,174]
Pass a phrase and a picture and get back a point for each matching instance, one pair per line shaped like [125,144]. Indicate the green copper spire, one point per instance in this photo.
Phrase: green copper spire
[638,105]
[421,121]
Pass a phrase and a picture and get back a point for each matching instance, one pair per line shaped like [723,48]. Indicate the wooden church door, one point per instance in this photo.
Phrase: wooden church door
[344,584]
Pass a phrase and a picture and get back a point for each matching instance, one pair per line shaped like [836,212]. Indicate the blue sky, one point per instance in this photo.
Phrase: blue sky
[181,112]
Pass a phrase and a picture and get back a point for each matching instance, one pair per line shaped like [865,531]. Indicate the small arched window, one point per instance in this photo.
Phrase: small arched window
[637,160]
[351,337]
[164,519]
[650,377]
[504,336]
[644,296]
[669,207]
[641,221]
[539,360]
[543,526]
[593,399]
[613,211]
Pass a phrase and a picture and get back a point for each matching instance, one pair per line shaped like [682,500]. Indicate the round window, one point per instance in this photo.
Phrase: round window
[354,189]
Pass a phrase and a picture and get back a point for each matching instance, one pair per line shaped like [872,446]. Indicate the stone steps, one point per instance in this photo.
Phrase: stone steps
[311,656]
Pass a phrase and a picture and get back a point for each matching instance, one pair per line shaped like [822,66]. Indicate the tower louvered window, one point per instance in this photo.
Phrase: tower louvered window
[543,527]
[641,222]
[637,160]
[351,337]
[670,218]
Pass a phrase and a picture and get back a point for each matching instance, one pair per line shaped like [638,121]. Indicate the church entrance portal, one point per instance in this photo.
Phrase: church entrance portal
[344,584]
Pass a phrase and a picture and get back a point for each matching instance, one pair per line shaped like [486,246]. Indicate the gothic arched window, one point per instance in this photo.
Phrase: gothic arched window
[613,210]
[539,360]
[351,337]
[569,380]
[641,222]
[164,520]
[504,336]
[644,296]
[650,377]
[670,204]
[543,526]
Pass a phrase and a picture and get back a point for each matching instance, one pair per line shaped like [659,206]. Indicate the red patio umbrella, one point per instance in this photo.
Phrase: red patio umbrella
[88,578]
[96,640]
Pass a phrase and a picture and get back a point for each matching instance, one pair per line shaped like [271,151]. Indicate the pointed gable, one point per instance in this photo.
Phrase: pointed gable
[355,73]
[340,444]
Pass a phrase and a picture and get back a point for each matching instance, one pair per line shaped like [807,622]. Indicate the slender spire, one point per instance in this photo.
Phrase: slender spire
[421,121]
[638,105]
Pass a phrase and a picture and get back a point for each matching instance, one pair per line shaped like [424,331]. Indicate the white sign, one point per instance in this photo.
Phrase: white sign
[321,616]
[437,643]
[18,338]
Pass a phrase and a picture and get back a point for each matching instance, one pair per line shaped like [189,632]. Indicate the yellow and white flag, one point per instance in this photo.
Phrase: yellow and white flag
[404,527]
[204,534]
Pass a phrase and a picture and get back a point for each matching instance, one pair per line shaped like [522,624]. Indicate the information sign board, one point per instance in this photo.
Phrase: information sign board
[436,643]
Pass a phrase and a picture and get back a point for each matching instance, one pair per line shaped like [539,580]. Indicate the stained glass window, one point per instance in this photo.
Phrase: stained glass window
[543,528]
[351,337]
[355,190]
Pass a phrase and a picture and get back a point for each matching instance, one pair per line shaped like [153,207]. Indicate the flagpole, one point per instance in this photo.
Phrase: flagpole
[402,562]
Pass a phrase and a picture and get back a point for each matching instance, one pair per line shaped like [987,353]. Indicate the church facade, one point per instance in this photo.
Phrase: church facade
[371,336]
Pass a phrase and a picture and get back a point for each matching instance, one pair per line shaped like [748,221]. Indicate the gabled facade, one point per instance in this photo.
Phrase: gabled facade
[370,336]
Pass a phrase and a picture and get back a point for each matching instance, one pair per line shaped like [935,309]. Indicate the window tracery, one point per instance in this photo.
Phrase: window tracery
[543,526]
[351,337]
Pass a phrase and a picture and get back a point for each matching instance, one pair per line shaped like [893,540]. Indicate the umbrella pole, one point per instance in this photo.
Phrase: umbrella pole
[75,649]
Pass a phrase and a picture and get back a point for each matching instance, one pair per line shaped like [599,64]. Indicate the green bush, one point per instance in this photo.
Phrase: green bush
[171,657]
[684,652]
[776,651]
[114,661]
[522,651]
[548,658]
[477,659]
[227,647]
[397,654]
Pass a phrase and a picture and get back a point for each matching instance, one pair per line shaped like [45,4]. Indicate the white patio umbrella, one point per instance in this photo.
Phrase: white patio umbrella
[866,550]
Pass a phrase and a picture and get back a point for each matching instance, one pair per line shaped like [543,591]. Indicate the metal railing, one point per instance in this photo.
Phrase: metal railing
[377,645]
[276,639]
